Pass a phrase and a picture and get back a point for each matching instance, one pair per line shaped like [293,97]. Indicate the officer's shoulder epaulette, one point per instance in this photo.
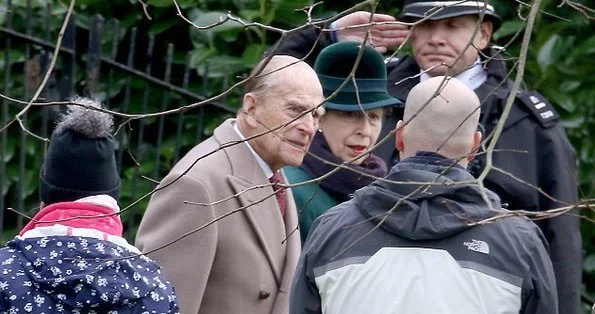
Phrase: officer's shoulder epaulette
[392,59]
[395,60]
[543,111]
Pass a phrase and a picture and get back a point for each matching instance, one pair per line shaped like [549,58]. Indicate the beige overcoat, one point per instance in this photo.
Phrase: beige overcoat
[244,262]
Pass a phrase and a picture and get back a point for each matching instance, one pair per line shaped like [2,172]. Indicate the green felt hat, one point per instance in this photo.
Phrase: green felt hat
[333,66]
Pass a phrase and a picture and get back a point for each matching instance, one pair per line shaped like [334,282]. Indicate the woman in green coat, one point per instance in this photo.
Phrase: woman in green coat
[348,131]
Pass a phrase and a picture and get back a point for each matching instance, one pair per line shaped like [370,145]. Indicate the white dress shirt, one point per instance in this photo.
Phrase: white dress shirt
[473,77]
[263,165]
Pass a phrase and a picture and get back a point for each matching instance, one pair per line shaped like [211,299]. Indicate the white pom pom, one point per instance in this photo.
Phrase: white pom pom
[89,122]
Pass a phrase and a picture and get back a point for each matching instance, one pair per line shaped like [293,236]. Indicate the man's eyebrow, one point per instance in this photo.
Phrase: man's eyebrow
[298,105]
[303,107]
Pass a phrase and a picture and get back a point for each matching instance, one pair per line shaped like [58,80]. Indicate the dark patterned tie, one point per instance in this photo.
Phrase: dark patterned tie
[280,192]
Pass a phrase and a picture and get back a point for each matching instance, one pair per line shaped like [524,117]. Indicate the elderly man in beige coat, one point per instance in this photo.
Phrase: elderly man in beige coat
[243,258]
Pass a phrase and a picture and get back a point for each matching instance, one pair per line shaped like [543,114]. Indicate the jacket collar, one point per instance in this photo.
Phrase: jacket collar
[263,165]
[243,164]
[78,215]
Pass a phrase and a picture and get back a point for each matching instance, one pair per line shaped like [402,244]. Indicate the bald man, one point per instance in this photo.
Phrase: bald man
[413,243]
[441,116]
[244,262]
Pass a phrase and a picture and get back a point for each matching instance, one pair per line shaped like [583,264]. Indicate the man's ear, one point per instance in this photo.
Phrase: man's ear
[400,146]
[476,144]
[248,109]
[484,34]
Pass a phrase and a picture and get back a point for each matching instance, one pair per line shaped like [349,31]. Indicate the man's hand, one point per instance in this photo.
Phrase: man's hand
[382,36]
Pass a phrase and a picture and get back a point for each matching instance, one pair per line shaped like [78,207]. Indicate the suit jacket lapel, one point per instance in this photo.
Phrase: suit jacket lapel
[259,205]
[263,213]
[292,240]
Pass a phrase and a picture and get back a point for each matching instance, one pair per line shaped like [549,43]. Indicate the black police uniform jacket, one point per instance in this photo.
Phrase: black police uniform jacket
[534,164]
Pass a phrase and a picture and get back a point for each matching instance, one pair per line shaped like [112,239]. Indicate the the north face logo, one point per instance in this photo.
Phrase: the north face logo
[477,246]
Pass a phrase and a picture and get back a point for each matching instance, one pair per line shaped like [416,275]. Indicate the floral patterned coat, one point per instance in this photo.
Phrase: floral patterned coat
[52,269]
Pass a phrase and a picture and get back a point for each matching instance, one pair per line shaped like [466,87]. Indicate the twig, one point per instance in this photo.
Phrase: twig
[145,9]
[512,95]
[583,9]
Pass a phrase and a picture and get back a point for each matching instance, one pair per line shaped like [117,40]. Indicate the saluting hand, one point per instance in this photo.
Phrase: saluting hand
[384,31]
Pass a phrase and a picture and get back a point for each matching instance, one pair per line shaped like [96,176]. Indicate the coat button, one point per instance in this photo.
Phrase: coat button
[264,294]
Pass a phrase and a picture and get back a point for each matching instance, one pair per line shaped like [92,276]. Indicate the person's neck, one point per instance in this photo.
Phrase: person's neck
[461,161]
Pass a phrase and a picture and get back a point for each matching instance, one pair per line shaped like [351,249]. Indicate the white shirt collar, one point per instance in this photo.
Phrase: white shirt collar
[473,77]
[263,165]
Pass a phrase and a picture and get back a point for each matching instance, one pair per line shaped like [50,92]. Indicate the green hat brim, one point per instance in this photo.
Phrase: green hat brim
[368,101]
[372,93]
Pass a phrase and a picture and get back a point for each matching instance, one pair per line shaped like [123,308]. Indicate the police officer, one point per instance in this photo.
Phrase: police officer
[533,161]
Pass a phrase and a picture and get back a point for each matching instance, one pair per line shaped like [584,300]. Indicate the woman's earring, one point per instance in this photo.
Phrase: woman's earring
[320,130]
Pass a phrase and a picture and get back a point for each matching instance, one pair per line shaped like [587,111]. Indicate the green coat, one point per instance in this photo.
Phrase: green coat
[310,200]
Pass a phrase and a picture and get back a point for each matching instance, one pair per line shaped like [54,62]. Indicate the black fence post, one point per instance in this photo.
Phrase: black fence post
[183,102]
[115,24]
[31,78]
[4,183]
[94,55]
[164,103]
[46,58]
[68,60]
[130,63]
[144,106]
[201,114]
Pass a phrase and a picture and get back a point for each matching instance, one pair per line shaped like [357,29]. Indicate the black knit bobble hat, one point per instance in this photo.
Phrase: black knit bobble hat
[80,160]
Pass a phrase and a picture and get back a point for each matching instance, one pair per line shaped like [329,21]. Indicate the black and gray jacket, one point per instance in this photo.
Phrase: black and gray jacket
[412,248]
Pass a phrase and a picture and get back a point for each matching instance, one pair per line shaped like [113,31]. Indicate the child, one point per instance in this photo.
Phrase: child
[71,257]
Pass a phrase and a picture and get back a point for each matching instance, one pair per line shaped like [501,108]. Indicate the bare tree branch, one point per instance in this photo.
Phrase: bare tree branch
[145,9]
[583,9]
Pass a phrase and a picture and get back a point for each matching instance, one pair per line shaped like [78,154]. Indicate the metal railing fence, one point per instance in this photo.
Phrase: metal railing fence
[88,64]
